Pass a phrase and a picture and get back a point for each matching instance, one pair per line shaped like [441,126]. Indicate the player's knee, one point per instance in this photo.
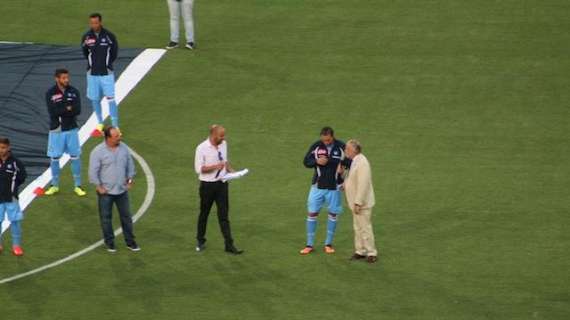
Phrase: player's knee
[95,103]
[312,218]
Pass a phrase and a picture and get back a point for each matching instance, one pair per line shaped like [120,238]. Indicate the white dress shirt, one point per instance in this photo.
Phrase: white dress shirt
[206,155]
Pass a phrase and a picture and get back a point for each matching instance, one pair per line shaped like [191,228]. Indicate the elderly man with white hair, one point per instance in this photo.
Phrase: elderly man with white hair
[360,198]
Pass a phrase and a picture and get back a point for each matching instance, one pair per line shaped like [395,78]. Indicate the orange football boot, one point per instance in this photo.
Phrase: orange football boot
[17,251]
[329,249]
[306,250]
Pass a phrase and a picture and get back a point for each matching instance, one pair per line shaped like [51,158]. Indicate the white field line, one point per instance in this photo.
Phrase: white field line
[12,42]
[132,75]
[150,190]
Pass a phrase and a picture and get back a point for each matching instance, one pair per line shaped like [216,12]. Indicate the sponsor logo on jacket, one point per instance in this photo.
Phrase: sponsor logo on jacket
[56,97]
[90,41]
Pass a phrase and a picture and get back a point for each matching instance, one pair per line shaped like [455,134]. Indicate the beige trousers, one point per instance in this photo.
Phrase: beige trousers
[363,234]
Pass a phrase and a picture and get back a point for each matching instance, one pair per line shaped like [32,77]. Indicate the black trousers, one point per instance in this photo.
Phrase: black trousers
[106,202]
[211,192]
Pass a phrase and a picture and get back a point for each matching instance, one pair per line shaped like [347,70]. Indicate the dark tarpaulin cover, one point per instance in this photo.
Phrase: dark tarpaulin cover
[26,73]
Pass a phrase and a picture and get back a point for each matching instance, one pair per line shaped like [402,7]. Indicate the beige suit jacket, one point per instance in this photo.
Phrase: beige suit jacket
[358,183]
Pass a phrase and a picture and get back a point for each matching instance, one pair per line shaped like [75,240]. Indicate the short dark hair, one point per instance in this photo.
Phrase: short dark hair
[60,71]
[107,131]
[327,131]
[4,141]
[96,15]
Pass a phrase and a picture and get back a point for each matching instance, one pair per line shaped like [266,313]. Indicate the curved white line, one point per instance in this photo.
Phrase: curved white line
[132,75]
[150,190]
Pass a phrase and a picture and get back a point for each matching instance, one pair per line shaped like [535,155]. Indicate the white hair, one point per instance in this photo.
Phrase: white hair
[355,144]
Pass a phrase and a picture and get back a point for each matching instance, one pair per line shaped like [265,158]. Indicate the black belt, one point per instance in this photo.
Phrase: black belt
[211,182]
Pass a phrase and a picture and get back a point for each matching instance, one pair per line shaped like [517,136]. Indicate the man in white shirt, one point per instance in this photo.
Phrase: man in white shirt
[211,164]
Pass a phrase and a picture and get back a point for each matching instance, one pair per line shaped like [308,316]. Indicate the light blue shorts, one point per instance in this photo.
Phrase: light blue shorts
[11,210]
[321,197]
[64,142]
[99,86]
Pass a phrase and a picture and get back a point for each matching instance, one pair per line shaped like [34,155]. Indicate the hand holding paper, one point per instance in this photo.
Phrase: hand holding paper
[234,175]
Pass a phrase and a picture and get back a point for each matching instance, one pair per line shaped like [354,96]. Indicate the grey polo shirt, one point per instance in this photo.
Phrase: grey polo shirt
[111,168]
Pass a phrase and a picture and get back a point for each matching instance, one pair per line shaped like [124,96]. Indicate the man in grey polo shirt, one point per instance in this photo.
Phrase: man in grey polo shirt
[111,170]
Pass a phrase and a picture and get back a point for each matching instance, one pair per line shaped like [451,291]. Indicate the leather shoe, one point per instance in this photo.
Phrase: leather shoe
[357,256]
[233,250]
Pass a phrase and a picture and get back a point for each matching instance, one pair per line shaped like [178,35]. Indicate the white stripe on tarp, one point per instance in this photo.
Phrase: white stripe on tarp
[132,75]
[14,42]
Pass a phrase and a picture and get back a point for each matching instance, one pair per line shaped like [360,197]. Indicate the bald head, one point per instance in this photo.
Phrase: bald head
[216,128]
[217,134]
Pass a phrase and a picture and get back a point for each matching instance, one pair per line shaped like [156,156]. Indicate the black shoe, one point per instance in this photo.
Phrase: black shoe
[172,45]
[233,250]
[357,256]
[190,45]
[134,247]
[372,259]
[200,247]
[111,248]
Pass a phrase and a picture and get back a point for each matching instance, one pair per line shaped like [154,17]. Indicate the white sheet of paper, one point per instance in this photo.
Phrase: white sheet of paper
[234,175]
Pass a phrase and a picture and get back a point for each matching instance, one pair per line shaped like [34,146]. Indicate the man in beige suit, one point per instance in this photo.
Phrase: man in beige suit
[360,198]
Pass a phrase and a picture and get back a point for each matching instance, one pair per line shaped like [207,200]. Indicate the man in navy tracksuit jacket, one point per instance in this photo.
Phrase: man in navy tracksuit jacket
[101,49]
[12,175]
[327,158]
[64,105]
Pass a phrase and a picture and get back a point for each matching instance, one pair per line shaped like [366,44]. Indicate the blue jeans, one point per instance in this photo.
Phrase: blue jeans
[106,202]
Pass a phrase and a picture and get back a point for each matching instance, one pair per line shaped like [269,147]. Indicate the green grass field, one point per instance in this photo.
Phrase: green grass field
[462,108]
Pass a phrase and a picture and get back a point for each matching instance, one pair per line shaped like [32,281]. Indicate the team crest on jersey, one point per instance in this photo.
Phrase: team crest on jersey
[322,152]
[338,155]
